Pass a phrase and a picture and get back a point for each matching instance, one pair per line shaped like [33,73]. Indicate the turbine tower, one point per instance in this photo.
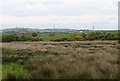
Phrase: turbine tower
[93,28]
[54,26]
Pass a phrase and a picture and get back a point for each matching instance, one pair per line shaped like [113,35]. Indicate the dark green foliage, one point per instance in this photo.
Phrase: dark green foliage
[34,34]
[24,38]
[15,37]
[91,35]
[110,36]
[83,34]
[98,35]
[8,37]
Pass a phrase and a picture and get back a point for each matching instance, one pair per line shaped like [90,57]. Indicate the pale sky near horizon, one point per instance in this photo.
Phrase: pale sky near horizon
[86,13]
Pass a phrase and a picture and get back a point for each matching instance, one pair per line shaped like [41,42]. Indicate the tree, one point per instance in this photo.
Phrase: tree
[34,34]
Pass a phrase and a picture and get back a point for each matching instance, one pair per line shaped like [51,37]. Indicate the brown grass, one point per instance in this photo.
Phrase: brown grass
[76,60]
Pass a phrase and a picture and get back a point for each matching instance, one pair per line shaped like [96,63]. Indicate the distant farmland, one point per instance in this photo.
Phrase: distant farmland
[55,35]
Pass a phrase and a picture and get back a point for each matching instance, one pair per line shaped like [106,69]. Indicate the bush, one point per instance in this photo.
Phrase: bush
[24,38]
[34,34]
[83,35]
[8,37]
[14,37]
[110,36]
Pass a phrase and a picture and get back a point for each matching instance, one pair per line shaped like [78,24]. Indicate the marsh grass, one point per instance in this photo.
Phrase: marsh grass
[62,63]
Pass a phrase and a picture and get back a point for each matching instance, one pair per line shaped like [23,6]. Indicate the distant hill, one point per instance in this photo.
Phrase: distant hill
[19,30]
[58,30]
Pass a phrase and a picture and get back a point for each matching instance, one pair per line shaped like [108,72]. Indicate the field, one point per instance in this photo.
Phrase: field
[60,36]
[96,59]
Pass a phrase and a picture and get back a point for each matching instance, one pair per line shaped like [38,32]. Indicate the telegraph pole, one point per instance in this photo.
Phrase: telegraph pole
[54,26]
[93,28]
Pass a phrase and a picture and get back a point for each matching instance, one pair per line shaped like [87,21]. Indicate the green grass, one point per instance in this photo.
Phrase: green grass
[0,71]
[0,36]
[16,69]
[55,35]
[11,67]
[47,37]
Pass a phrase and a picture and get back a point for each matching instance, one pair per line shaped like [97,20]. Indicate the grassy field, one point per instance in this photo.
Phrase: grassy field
[60,60]
[61,36]
[53,36]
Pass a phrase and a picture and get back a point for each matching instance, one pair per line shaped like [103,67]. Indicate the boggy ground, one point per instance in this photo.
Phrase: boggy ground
[62,60]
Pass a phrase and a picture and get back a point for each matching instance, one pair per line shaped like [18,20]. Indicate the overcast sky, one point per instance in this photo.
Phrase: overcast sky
[78,13]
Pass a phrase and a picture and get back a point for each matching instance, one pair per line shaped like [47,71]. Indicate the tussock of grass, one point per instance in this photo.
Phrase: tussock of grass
[60,62]
[13,71]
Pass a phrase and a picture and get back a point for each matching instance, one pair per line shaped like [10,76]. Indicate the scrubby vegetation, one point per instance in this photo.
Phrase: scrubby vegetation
[82,36]
[34,34]
[22,37]
[65,56]
[62,60]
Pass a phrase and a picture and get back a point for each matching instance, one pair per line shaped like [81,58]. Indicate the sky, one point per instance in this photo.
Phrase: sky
[74,14]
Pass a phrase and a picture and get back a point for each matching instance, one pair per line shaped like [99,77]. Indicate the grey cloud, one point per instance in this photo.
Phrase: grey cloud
[54,7]
[53,2]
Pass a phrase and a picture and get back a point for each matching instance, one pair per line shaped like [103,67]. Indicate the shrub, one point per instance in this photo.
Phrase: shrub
[34,34]
[110,36]
[99,35]
[83,35]
[8,37]
[12,37]
[24,38]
